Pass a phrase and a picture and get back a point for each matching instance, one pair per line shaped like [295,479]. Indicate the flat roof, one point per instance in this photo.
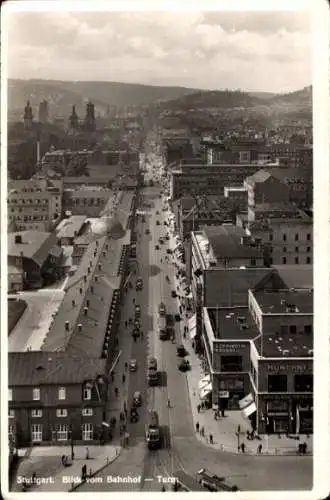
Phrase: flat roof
[226,326]
[34,368]
[69,228]
[299,301]
[291,345]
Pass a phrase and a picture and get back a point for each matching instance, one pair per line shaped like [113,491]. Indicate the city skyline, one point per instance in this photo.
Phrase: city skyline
[250,51]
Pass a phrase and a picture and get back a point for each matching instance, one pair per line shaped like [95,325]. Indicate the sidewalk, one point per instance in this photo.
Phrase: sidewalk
[45,462]
[224,430]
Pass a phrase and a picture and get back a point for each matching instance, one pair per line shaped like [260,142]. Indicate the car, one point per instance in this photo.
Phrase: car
[174,294]
[157,212]
[184,365]
[137,311]
[167,237]
[133,365]
[137,324]
[177,317]
[181,351]
[157,223]
[147,231]
[169,251]
[136,332]
[134,416]
[137,399]
[161,241]
[156,247]
[139,284]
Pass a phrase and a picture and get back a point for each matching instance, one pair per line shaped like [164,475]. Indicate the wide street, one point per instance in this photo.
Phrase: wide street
[181,449]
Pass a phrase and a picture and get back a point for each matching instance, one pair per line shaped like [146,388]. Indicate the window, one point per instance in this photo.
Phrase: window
[308,249]
[284,249]
[270,237]
[293,329]
[87,412]
[308,260]
[10,394]
[296,260]
[36,433]
[283,260]
[36,413]
[231,364]
[87,393]
[61,412]
[296,237]
[308,237]
[296,249]
[277,383]
[284,237]
[11,433]
[62,432]
[308,328]
[253,261]
[11,413]
[303,383]
[87,432]
[62,393]
[36,394]
[284,329]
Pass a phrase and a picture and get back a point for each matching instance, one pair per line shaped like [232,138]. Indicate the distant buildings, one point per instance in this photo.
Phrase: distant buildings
[43,112]
[28,116]
[34,204]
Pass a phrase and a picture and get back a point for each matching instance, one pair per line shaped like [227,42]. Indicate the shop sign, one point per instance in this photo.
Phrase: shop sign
[279,367]
[223,394]
[230,347]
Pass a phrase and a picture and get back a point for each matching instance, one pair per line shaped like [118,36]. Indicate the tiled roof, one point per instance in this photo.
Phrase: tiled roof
[36,245]
[78,289]
[296,276]
[226,243]
[36,368]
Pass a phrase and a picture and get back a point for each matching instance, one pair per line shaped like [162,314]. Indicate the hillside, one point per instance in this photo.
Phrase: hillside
[213,99]
[299,97]
[62,95]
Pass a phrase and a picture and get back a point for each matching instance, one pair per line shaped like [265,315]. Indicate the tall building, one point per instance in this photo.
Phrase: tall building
[43,112]
[73,119]
[28,116]
[90,125]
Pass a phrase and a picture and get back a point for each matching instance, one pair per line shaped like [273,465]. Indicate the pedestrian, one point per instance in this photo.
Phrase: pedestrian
[123,378]
[248,435]
[63,459]
[126,366]
[243,447]
[211,439]
[238,429]
[133,300]
[259,449]
[83,472]
[215,415]
[168,403]
[116,391]
[197,426]
[126,324]
[202,433]
[134,337]
[198,408]
[34,478]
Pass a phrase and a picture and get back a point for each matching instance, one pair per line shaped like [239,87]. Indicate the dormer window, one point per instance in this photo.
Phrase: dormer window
[87,393]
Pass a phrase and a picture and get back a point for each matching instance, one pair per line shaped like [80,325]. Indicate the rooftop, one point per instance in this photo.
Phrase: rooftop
[234,323]
[296,276]
[276,345]
[285,301]
[36,245]
[69,228]
[95,280]
[37,368]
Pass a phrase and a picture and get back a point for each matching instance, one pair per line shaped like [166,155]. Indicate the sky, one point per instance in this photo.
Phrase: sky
[254,51]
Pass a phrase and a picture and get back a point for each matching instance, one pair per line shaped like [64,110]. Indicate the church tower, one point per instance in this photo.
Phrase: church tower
[73,119]
[90,124]
[28,116]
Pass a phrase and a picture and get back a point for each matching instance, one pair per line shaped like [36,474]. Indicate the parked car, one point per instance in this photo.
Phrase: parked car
[157,223]
[137,399]
[147,231]
[156,247]
[177,317]
[181,351]
[174,294]
[169,251]
[139,284]
[133,365]
[134,416]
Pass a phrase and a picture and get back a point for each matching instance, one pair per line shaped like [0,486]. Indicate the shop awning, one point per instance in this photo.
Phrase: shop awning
[192,326]
[246,401]
[204,381]
[205,391]
[248,410]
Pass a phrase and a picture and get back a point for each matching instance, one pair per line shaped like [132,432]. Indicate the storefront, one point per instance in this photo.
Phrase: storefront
[277,416]
[234,387]
[302,415]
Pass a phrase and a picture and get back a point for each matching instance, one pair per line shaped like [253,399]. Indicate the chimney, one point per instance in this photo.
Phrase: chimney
[80,327]
[18,239]
[67,326]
